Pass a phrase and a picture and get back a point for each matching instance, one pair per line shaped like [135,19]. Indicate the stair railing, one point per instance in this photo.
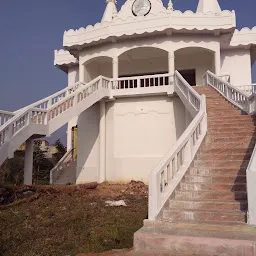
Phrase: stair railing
[249,89]
[232,93]
[171,169]
[5,116]
[60,166]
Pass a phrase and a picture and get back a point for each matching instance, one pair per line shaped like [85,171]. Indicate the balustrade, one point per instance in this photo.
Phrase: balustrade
[141,81]
[171,169]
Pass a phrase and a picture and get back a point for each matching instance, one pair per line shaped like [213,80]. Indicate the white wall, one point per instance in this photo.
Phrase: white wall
[195,58]
[88,145]
[139,133]
[237,64]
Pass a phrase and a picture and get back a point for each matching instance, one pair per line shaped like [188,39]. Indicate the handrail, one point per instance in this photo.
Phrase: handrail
[233,94]
[56,169]
[248,88]
[171,169]
[5,116]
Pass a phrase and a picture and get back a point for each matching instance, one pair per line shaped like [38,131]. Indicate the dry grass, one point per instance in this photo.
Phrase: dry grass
[70,222]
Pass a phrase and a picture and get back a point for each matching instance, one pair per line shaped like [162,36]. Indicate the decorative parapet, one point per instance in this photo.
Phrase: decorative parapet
[165,20]
[63,59]
[244,37]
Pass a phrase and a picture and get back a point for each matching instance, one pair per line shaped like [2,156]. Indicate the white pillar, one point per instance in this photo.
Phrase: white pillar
[115,70]
[217,63]
[102,142]
[171,65]
[81,72]
[28,165]
[115,67]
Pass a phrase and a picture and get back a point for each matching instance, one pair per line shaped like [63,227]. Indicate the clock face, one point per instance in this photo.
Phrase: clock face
[141,7]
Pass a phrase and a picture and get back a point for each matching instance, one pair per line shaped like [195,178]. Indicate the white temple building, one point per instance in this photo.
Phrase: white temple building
[124,136]
[163,97]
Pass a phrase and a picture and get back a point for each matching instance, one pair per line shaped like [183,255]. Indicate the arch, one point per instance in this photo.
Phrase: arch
[143,61]
[193,62]
[123,50]
[100,65]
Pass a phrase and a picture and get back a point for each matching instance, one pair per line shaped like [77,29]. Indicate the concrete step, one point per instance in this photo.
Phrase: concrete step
[209,205]
[229,179]
[236,120]
[190,239]
[227,157]
[232,130]
[199,216]
[200,171]
[226,152]
[228,125]
[221,163]
[212,186]
[227,145]
[221,195]
[237,139]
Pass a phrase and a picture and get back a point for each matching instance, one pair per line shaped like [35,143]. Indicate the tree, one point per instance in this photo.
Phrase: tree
[61,150]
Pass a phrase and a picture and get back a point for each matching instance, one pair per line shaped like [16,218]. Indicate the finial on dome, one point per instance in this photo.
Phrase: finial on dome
[110,11]
[205,6]
[170,6]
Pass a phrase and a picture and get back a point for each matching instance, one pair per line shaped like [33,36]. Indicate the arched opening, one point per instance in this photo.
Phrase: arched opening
[193,62]
[95,67]
[143,61]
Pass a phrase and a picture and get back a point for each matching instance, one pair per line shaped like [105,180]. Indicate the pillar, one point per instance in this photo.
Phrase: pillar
[28,163]
[115,69]
[171,66]
[217,63]
[102,142]
[81,72]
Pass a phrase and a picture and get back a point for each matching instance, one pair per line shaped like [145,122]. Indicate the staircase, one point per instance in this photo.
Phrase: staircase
[65,171]
[48,115]
[207,213]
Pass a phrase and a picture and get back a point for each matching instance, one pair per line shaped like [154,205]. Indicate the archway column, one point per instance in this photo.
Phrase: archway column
[102,129]
[171,66]
[28,163]
[217,62]
[115,69]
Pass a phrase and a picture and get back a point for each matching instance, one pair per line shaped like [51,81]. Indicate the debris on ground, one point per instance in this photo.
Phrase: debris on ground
[116,203]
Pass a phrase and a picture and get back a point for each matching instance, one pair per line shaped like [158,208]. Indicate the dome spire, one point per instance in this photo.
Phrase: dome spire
[110,11]
[205,6]
[170,6]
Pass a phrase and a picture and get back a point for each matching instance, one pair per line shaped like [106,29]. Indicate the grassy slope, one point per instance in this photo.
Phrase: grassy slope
[71,222]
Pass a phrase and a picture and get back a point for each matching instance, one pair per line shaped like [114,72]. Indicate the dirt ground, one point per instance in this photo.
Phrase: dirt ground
[50,221]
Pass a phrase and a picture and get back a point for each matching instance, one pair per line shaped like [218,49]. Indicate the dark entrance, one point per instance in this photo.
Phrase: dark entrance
[189,75]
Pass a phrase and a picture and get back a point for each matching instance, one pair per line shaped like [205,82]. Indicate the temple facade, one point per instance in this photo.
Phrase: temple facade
[140,46]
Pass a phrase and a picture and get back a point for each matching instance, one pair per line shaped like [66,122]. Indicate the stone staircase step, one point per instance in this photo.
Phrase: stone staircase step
[213,186]
[226,152]
[227,145]
[227,157]
[233,130]
[196,239]
[220,138]
[173,215]
[221,163]
[209,205]
[208,194]
[234,172]
[230,179]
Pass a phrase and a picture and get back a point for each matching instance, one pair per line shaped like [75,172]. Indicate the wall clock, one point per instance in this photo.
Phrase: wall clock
[141,7]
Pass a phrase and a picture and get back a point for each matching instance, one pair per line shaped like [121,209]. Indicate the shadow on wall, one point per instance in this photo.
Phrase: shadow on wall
[88,145]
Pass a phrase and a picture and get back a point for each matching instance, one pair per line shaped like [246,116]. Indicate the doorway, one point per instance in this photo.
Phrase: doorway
[189,75]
